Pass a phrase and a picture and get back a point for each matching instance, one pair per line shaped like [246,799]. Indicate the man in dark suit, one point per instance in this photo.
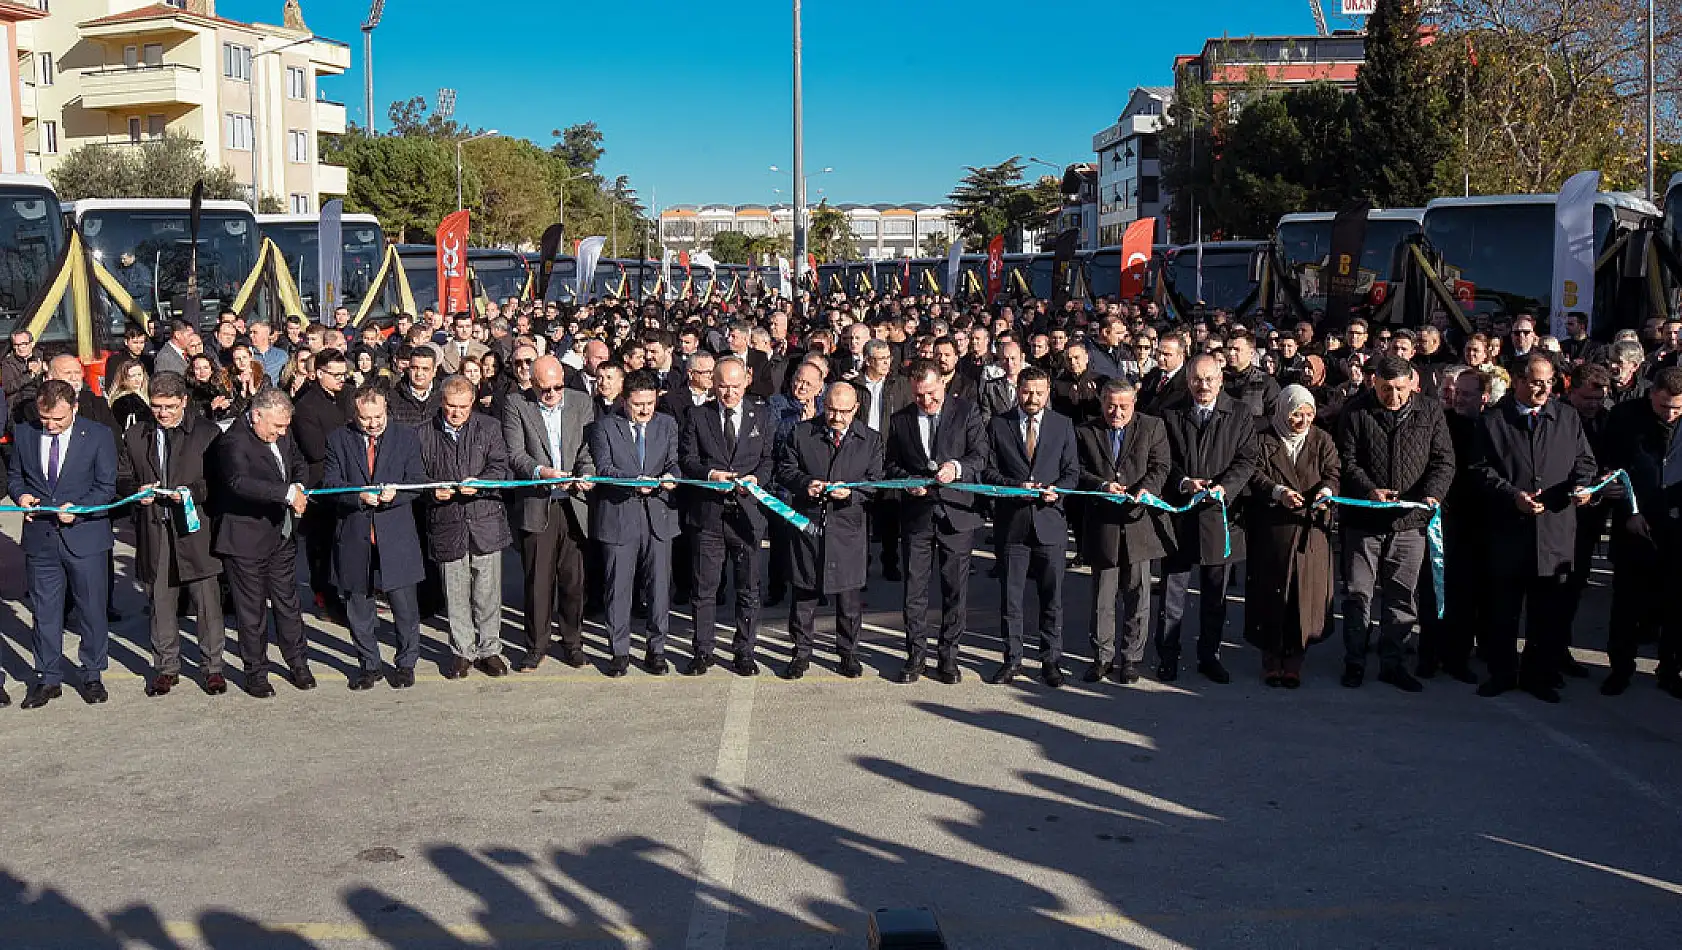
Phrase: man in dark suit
[260,474]
[544,430]
[679,402]
[635,526]
[1122,452]
[957,384]
[943,438]
[723,441]
[92,408]
[999,393]
[1534,464]
[882,392]
[1032,447]
[1164,387]
[1211,442]
[323,407]
[168,451]
[831,559]
[64,460]
[377,548]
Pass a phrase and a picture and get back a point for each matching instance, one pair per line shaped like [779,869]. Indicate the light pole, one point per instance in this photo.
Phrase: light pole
[799,207]
[375,13]
[1652,97]
[459,144]
[563,196]
[799,174]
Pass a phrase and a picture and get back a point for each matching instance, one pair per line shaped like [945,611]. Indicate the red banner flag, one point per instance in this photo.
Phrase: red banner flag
[454,295]
[683,261]
[1136,256]
[995,267]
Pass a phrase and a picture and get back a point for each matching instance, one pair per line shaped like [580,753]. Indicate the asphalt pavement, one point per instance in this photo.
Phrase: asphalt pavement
[562,809]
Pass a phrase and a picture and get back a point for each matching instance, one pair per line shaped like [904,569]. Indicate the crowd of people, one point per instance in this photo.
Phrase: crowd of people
[1301,461]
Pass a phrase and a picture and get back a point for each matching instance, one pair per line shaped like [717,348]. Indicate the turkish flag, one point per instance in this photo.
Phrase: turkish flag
[454,294]
[995,267]
[1136,256]
[1466,293]
[1379,293]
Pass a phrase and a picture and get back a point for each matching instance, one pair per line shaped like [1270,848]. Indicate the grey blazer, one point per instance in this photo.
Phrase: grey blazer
[528,448]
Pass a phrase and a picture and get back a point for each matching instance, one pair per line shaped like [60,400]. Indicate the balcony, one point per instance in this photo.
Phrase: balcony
[329,57]
[28,106]
[331,179]
[26,36]
[130,87]
[329,117]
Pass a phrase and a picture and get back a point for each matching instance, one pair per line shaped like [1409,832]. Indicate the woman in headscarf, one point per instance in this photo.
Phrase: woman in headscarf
[1289,590]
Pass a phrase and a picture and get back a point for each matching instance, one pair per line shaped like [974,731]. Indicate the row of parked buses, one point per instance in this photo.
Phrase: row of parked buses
[1494,255]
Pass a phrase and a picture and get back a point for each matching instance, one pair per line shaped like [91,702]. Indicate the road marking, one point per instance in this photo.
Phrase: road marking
[1616,872]
[709,919]
[1586,752]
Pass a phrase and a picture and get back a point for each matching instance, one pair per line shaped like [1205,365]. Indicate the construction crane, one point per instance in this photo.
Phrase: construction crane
[375,13]
[1319,17]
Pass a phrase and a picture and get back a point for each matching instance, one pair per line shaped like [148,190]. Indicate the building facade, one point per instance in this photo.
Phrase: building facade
[1130,165]
[1230,62]
[118,73]
[882,231]
[17,96]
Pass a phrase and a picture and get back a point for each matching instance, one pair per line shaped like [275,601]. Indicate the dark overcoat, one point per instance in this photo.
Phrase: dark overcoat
[162,526]
[831,558]
[1125,534]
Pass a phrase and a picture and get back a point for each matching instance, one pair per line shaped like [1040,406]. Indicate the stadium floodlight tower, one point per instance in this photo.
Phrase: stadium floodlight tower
[375,13]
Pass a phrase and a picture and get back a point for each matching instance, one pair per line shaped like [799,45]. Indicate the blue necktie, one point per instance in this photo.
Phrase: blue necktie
[642,447]
[1115,444]
[52,463]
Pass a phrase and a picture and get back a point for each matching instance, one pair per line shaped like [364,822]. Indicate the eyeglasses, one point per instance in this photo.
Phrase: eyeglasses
[1523,332]
[524,362]
[552,389]
[335,373]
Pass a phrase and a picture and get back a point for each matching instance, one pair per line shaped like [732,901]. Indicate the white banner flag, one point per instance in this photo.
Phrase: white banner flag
[1573,286]
[589,254]
[954,261]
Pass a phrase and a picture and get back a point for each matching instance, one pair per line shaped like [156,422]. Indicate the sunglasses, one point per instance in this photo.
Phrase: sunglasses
[552,389]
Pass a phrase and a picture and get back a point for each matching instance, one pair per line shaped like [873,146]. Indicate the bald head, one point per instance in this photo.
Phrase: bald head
[548,378]
[840,404]
[66,369]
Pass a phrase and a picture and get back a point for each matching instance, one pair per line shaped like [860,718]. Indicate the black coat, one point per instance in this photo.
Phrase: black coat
[405,410]
[1222,451]
[1125,534]
[896,395]
[1055,463]
[466,524]
[161,525]
[831,558]
[250,497]
[1409,452]
[1077,396]
[397,461]
[960,437]
[702,449]
[1638,443]
[1159,393]
[1255,389]
[315,415]
[1550,462]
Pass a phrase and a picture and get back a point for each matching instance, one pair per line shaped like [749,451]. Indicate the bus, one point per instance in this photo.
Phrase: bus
[1497,255]
[31,239]
[1225,271]
[498,274]
[1104,266]
[297,237]
[1304,241]
[146,244]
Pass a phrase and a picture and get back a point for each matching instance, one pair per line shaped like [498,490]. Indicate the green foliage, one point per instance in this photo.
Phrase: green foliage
[516,200]
[579,146]
[993,200]
[161,168]
[937,244]
[761,246]
[829,235]
[407,181]
[729,247]
[1400,114]
[414,118]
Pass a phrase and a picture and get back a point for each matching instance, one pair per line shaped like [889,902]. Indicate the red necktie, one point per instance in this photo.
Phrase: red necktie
[373,447]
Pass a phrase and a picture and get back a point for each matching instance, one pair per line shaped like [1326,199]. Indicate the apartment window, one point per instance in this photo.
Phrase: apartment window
[155,125]
[152,54]
[236,62]
[49,138]
[864,228]
[297,83]
[47,70]
[134,130]
[298,146]
[239,132]
[300,204]
[131,56]
[898,227]
[177,4]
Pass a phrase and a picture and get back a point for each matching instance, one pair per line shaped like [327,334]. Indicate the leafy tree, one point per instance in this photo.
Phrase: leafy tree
[761,246]
[993,200]
[1400,113]
[515,201]
[161,168]
[409,182]
[729,247]
[579,146]
[937,244]
[413,117]
[829,235]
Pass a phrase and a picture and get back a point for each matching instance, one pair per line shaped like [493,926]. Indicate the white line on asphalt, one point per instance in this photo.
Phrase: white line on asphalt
[1583,750]
[709,919]
[1617,872]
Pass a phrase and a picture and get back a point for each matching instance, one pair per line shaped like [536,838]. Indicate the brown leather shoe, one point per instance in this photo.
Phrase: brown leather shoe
[457,668]
[493,666]
[162,684]
[215,684]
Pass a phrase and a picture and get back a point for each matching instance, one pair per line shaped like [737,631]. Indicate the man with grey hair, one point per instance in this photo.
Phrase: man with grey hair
[1628,382]
[260,474]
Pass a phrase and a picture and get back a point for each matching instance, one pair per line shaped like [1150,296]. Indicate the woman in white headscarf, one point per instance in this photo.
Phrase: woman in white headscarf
[1289,588]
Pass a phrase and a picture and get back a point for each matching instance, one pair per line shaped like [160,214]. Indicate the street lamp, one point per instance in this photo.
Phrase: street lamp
[459,144]
[799,206]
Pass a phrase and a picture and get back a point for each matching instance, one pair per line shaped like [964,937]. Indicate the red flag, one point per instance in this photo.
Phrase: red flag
[995,267]
[683,261]
[1136,256]
[454,295]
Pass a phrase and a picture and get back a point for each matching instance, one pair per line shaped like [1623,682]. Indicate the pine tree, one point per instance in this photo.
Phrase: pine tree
[1401,130]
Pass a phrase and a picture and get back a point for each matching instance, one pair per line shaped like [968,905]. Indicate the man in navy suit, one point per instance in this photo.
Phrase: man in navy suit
[1032,447]
[62,461]
[635,526]
[723,440]
[377,547]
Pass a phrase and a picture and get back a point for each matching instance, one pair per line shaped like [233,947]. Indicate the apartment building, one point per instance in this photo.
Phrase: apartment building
[1130,166]
[17,98]
[883,231]
[117,73]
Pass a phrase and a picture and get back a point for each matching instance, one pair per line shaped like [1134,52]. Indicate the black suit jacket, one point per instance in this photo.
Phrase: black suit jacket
[251,490]
[161,525]
[1222,451]
[1550,463]
[314,417]
[1158,394]
[1125,534]
[961,437]
[1055,463]
[702,449]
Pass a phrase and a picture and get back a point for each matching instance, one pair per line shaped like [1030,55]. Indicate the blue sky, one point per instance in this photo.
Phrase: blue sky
[694,99]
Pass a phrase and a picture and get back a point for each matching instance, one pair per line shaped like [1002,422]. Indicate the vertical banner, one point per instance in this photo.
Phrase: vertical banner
[705,262]
[454,294]
[1198,299]
[995,267]
[666,272]
[195,218]
[330,258]
[1342,275]
[784,279]
[1136,244]
[1062,263]
[954,261]
[589,255]
[548,249]
[1573,284]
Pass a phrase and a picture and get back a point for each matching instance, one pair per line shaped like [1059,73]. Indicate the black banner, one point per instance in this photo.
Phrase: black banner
[548,249]
[1063,261]
[1342,275]
[195,216]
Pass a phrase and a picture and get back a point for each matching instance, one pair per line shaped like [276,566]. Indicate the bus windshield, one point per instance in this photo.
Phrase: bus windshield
[1505,252]
[364,245]
[31,237]
[1306,243]
[150,252]
[501,276]
[1226,277]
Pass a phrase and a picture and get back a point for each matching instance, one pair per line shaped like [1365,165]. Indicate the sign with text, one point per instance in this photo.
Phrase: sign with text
[1359,7]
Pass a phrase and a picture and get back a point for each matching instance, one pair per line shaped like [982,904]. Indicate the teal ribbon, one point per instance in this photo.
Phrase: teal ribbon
[1433,532]
[1619,477]
[183,495]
